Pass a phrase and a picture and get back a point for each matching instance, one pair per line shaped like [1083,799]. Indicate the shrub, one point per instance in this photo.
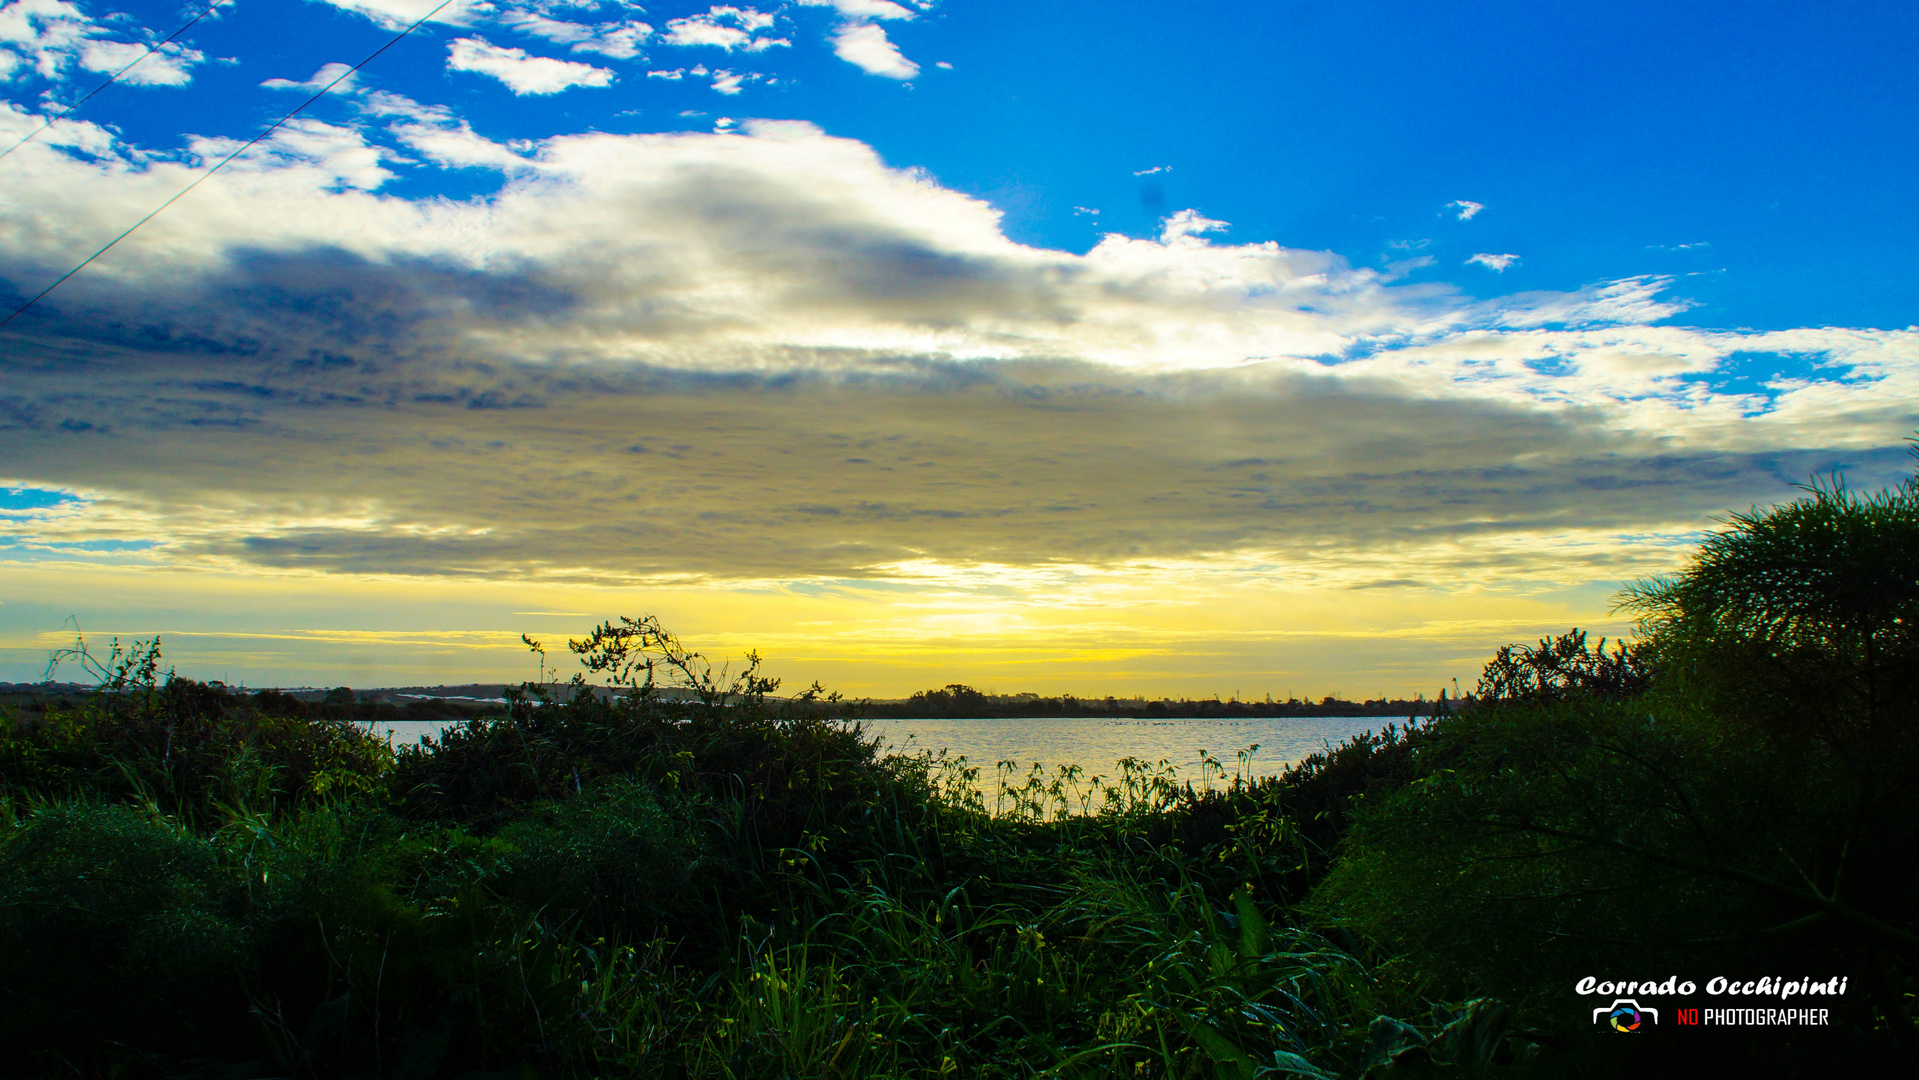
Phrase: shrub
[616,861]
[118,930]
[189,748]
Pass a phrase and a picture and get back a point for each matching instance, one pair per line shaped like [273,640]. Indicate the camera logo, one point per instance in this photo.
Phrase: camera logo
[1625,1014]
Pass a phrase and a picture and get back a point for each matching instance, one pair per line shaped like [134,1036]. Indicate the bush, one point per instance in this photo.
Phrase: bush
[622,865]
[118,930]
[1731,795]
[189,748]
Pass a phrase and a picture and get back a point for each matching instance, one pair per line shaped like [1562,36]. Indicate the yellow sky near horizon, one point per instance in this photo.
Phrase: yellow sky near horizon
[1126,636]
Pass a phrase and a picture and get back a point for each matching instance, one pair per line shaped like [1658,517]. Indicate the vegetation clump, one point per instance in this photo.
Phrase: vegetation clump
[695,878]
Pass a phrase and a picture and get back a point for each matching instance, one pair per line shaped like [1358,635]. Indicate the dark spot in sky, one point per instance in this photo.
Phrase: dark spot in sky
[1152,198]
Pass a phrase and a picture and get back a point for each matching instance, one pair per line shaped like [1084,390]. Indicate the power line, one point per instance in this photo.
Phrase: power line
[111,79]
[270,129]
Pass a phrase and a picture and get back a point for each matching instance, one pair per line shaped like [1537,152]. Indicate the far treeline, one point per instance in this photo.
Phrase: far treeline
[959,701]
[719,883]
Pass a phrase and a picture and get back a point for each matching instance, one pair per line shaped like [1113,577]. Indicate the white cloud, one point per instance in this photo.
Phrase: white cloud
[318,80]
[867,47]
[332,155]
[1085,210]
[1186,226]
[723,80]
[521,73]
[1465,208]
[887,263]
[942,64]
[726,27]
[49,32]
[619,40]
[396,14]
[53,35]
[84,136]
[1154,169]
[170,65]
[433,132]
[457,146]
[863,9]
[1399,268]
[1495,263]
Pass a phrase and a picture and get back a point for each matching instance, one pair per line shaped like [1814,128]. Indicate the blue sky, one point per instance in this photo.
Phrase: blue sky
[1764,149]
[1344,313]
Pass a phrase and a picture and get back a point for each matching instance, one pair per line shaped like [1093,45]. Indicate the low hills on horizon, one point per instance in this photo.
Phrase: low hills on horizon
[955,701]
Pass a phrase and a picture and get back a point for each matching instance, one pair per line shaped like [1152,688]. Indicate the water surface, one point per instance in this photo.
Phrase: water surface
[1095,744]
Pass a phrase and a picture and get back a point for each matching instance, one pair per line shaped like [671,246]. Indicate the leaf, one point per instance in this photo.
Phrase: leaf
[1294,1065]
[1229,1061]
[1255,938]
[1386,1038]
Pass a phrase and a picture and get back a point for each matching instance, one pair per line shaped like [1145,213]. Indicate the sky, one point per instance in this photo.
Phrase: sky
[1287,349]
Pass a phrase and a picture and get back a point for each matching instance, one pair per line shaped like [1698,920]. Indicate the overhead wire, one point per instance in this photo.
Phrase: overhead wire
[113,78]
[243,148]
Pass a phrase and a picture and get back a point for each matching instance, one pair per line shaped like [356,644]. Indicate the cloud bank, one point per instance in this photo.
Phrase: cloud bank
[767,355]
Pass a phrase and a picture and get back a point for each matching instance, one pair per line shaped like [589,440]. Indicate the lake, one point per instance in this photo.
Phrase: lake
[1096,744]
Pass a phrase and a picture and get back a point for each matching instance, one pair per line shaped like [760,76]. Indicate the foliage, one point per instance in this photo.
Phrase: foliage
[1565,667]
[689,877]
[116,922]
[1749,810]
[1805,615]
[189,748]
[953,699]
[664,883]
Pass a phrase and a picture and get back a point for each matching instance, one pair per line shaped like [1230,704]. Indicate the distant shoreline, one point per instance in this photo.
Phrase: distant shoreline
[981,707]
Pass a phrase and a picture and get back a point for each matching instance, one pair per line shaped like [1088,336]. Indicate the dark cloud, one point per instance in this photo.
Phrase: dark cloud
[804,475]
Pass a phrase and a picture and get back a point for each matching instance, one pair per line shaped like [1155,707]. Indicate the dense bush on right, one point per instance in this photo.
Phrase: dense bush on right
[1733,795]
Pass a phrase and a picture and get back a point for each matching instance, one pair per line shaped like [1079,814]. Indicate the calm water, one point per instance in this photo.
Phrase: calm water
[1096,744]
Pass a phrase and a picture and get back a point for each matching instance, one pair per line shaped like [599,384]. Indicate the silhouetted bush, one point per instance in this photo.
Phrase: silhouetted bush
[189,747]
[117,928]
[1750,809]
